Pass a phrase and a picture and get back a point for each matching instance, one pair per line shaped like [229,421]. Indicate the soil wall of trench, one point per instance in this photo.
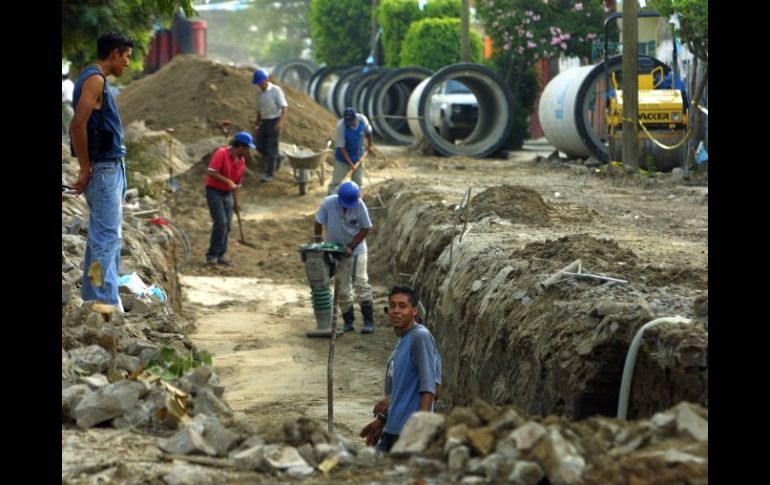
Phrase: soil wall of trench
[555,351]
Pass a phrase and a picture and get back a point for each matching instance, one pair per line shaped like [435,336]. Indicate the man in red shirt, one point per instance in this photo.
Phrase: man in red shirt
[225,175]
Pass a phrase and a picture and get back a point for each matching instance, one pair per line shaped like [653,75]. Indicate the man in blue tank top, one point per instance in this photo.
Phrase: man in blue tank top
[412,370]
[96,133]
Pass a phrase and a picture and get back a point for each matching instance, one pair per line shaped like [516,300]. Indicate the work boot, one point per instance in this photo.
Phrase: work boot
[367,311]
[348,317]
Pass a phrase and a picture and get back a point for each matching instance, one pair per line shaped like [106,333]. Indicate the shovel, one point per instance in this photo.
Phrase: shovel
[242,240]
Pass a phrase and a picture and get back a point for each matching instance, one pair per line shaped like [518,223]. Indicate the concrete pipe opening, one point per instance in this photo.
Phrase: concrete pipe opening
[494,120]
[387,102]
[413,110]
[572,112]
[295,73]
[355,95]
[340,89]
[323,84]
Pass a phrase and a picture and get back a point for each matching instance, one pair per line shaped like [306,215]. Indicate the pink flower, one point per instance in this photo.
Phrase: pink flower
[565,36]
[507,46]
[529,35]
[531,45]
[578,7]
[536,18]
[555,40]
[520,49]
[563,46]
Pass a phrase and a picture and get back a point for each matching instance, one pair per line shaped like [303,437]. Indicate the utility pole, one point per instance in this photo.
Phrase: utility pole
[630,84]
[375,29]
[465,48]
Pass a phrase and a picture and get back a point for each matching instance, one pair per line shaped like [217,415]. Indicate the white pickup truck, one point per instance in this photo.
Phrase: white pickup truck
[454,110]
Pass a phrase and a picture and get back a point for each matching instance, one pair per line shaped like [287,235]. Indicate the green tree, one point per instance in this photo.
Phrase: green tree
[442,8]
[83,21]
[526,31]
[395,17]
[341,30]
[435,43]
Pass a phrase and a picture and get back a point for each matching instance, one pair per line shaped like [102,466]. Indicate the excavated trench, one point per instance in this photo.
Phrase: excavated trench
[559,350]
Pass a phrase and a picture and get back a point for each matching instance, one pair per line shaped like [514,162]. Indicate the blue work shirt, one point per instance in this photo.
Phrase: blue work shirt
[413,371]
[342,227]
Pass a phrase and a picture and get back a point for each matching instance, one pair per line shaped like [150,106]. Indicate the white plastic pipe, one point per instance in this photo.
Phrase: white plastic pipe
[628,368]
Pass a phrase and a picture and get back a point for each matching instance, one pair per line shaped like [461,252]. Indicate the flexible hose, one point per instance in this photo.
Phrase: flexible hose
[628,368]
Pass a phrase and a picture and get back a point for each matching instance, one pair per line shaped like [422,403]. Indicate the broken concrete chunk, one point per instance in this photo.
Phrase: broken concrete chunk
[482,440]
[688,423]
[528,435]
[108,402]
[526,473]
[93,359]
[463,415]
[250,458]
[70,397]
[418,432]
[458,459]
[560,459]
[185,474]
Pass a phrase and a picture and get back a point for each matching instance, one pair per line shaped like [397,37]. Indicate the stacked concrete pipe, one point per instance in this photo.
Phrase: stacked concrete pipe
[295,73]
[397,101]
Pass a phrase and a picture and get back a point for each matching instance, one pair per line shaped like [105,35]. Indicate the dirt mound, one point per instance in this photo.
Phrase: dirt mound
[192,94]
[596,254]
[515,203]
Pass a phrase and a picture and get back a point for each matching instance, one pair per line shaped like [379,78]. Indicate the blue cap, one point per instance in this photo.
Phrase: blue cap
[349,114]
[348,194]
[244,138]
[260,75]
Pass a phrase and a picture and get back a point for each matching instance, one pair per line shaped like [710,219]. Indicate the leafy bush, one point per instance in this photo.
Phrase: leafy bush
[341,31]
[395,17]
[435,43]
[443,8]
[171,366]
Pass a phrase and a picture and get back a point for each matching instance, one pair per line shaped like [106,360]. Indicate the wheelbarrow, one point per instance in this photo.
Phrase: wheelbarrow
[304,161]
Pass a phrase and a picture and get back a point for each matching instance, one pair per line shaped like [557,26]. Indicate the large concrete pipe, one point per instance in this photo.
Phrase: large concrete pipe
[356,92]
[295,72]
[322,85]
[413,109]
[387,100]
[317,76]
[571,109]
[495,115]
[341,87]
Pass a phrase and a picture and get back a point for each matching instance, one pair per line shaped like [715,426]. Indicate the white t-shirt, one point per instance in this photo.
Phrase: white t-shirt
[270,102]
[67,88]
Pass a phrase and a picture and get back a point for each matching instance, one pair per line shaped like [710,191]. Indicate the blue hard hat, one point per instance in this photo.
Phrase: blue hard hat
[244,138]
[349,113]
[260,75]
[348,194]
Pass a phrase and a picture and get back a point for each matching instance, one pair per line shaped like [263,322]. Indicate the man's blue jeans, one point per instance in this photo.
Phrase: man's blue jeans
[104,193]
[221,209]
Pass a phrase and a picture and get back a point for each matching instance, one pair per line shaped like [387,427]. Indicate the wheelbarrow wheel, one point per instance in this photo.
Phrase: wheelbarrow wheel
[302,188]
